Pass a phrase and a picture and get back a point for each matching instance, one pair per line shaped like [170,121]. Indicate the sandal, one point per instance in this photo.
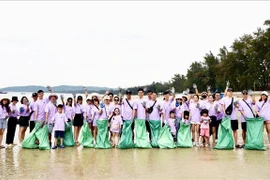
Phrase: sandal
[77,143]
[238,146]
[2,146]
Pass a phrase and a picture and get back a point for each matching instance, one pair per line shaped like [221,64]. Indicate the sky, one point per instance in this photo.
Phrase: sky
[116,43]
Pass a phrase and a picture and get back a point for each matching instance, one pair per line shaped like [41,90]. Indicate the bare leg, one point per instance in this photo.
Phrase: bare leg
[193,132]
[95,133]
[1,135]
[55,141]
[22,134]
[197,129]
[244,135]
[235,137]
[267,127]
[214,130]
[61,141]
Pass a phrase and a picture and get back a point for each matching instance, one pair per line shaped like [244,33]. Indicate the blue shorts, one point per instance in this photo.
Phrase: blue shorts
[59,134]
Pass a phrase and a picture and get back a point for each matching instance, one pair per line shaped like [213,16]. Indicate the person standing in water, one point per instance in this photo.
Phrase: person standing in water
[12,121]
[4,115]
[39,107]
[32,112]
[79,116]
[24,118]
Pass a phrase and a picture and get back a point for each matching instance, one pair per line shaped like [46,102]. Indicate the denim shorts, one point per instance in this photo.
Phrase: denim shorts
[3,124]
[59,134]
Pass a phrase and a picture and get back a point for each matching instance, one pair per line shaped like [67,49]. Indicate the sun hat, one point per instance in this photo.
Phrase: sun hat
[264,93]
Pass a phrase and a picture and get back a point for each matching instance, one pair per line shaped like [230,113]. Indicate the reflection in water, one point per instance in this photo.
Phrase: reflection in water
[89,163]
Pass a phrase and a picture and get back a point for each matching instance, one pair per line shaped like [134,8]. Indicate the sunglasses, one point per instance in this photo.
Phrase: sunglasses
[116,99]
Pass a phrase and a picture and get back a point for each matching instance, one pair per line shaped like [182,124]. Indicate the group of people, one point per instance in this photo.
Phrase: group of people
[203,114]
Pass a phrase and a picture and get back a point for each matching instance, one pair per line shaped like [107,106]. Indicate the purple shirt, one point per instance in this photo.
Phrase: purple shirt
[3,112]
[39,107]
[31,107]
[51,110]
[167,106]
[195,115]
[115,123]
[227,101]
[220,114]
[203,103]
[211,107]
[23,110]
[155,115]
[95,114]
[79,109]
[126,109]
[69,111]
[59,121]
[140,114]
[106,112]
[264,108]
[245,108]
[88,109]
[15,109]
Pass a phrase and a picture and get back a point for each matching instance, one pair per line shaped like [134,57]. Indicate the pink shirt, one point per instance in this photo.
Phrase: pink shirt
[227,101]
[3,112]
[69,111]
[51,110]
[23,110]
[16,111]
[205,123]
[39,107]
[155,115]
[140,109]
[126,109]
[115,123]
[31,107]
[59,121]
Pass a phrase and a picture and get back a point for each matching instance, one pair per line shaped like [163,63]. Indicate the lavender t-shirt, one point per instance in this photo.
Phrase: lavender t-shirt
[227,101]
[69,111]
[245,108]
[24,111]
[106,111]
[211,108]
[31,107]
[59,121]
[126,109]
[167,106]
[39,107]
[79,109]
[155,115]
[194,112]
[264,109]
[15,109]
[220,114]
[88,109]
[51,110]
[140,109]
[3,112]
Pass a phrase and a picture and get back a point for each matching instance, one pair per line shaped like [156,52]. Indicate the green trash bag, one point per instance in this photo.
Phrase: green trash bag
[86,138]
[165,139]
[126,141]
[184,136]
[141,135]
[30,141]
[155,129]
[254,140]
[68,140]
[102,135]
[42,136]
[225,137]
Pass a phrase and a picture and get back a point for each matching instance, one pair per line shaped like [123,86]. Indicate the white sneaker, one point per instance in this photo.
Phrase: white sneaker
[197,144]
[20,145]
[194,143]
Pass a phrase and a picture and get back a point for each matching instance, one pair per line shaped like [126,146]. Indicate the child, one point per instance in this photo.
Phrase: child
[186,118]
[115,126]
[205,121]
[59,120]
[172,124]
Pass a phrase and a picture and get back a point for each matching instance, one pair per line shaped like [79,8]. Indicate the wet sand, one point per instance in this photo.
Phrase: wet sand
[179,163]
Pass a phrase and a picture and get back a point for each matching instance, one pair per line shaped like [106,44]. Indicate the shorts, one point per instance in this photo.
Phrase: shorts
[3,124]
[58,134]
[214,122]
[204,132]
[267,122]
[194,122]
[234,124]
[78,120]
[244,126]
[24,121]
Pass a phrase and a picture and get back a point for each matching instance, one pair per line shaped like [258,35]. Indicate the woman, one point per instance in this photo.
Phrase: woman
[4,113]
[263,109]
[78,118]
[96,112]
[69,110]
[195,119]
[24,118]
[212,107]
[12,121]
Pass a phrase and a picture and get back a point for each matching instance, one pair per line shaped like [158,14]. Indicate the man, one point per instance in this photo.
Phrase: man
[167,105]
[245,107]
[32,112]
[127,109]
[227,101]
[219,111]
[39,107]
[50,110]
[149,95]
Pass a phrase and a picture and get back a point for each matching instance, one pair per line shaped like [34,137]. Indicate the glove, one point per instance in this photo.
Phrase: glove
[250,92]
[208,88]
[49,88]
[84,88]
[235,103]
[216,107]
[173,90]
[74,95]
[120,89]
[84,120]
[188,90]
[227,83]
[158,107]
[27,104]
[198,106]
[194,86]
[102,105]
[177,104]
[62,96]
[144,104]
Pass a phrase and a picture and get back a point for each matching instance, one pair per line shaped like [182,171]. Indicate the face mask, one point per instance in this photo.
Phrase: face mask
[204,96]
[177,104]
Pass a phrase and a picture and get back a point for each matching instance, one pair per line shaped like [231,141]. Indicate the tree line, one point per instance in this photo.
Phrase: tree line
[246,65]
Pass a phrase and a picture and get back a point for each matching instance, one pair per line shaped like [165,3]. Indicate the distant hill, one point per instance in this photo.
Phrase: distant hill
[57,89]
